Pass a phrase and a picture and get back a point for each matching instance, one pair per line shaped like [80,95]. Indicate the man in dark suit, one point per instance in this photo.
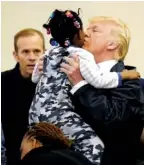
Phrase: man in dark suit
[17,90]
[117,115]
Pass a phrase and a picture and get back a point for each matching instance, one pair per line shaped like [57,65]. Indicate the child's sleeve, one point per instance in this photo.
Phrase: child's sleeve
[36,75]
[94,76]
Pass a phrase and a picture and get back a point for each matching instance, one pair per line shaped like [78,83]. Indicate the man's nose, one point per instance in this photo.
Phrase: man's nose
[86,34]
[32,56]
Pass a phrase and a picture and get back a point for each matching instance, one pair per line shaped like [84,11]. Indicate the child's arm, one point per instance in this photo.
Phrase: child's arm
[94,76]
[36,75]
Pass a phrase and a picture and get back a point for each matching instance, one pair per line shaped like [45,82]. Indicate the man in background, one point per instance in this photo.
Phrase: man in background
[17,89]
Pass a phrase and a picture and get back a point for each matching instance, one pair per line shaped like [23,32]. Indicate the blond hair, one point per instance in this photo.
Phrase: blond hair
[122,33]
[26,33]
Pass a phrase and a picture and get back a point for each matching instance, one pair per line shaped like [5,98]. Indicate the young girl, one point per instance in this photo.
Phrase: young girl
[52,102]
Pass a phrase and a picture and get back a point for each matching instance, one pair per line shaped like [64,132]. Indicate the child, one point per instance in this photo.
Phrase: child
[52,102]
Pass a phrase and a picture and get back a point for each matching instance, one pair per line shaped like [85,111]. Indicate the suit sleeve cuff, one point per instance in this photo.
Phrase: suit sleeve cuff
[119,80]
[77,86]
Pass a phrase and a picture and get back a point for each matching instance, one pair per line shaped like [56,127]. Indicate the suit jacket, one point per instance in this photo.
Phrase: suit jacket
[142,82]
[117,115]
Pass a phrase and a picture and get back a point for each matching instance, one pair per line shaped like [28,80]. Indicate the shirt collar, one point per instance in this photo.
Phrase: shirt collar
[106,66]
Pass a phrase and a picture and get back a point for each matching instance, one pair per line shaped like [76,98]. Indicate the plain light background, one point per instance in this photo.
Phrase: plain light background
[18,15]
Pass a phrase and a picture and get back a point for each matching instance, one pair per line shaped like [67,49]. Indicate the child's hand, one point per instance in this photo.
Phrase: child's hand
[130,74]
[40,63]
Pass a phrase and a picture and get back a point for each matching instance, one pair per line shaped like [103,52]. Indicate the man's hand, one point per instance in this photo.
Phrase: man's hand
[130,74]
[71,69]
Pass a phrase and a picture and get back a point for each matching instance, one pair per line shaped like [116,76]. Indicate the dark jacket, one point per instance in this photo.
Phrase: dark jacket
[44,156]
[140,156]
[142,82]
[117,115]
[16,97]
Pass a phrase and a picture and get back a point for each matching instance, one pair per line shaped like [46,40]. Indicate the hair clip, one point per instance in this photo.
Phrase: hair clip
[53,42]
[69,14]
[76,24]
[52,15]
[46,24]
[67,42]
[48,31]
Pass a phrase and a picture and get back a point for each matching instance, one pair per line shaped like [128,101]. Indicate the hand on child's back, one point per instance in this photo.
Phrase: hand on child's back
[130,74]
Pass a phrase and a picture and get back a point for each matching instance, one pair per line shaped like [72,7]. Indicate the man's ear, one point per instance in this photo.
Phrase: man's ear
[15,55]
[112,45]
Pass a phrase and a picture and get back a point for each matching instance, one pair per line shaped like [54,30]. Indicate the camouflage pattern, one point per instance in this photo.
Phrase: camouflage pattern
[52,104]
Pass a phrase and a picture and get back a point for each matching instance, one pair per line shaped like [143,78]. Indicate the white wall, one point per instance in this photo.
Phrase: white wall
[19,15]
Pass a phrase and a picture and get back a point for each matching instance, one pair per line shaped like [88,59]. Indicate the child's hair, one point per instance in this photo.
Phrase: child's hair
[63,26]
[48,134]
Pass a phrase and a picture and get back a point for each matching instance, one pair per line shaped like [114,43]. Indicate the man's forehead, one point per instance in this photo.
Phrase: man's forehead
[30,38]
[101,23]
[29,41]
[95,25]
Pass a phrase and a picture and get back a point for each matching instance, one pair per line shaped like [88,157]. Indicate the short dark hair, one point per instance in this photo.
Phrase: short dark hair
[62,26]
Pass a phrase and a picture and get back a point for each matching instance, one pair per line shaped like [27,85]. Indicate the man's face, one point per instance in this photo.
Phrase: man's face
[97,37]
[29,50]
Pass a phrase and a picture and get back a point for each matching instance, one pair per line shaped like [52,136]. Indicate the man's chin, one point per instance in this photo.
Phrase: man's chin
[29,73]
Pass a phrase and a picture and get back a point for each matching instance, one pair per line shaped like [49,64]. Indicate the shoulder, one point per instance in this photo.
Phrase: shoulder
[73,49]
[8,76]
[82,53]
[7,73]
[54,51]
